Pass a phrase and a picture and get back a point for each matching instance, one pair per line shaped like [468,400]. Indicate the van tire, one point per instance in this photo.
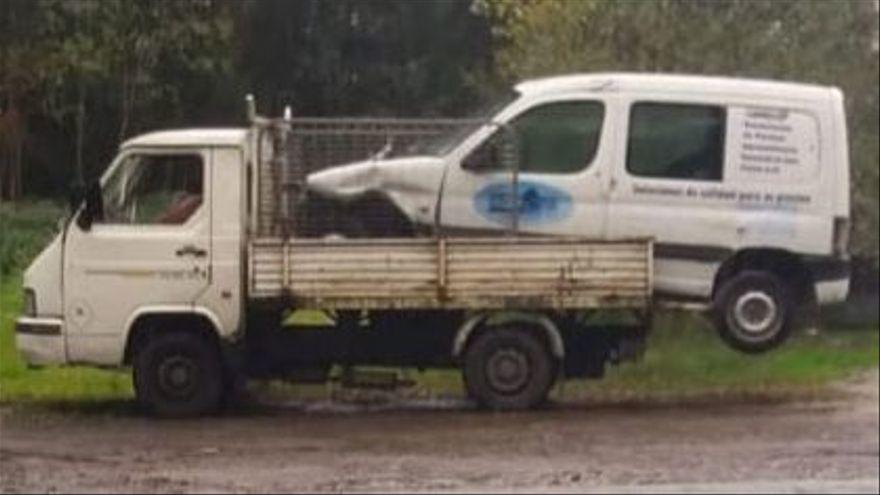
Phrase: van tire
[179,375]
[753,311]
[508,369]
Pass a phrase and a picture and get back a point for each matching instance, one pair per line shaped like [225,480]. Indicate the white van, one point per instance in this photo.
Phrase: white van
[743,184]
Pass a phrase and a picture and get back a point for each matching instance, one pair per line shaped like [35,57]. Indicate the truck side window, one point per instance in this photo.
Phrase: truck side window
[154,189]
[555,138]
[676,141]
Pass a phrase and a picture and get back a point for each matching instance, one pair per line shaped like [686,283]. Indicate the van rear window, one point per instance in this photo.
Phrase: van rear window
[676,141]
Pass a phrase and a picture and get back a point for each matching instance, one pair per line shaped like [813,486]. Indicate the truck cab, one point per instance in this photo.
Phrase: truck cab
[167,242]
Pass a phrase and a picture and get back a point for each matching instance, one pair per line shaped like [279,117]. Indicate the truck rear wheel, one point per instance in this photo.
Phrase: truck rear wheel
[178,375]
[508,369]
[753,311]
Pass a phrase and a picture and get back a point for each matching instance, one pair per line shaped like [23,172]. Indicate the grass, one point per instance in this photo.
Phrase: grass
[685,358]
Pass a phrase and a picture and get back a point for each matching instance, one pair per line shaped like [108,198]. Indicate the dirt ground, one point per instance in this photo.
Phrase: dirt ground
[822,445]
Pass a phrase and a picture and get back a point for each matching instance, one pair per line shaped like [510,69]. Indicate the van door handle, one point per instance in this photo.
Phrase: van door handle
[191,250]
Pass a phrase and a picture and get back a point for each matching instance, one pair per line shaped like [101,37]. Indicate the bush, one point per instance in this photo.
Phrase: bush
[25,228]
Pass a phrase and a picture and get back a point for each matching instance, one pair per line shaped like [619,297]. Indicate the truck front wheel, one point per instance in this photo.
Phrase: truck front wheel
[508,369]
[178,375]
[753,311]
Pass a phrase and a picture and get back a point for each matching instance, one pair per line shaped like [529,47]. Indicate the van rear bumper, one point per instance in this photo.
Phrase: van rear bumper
[831,276]
[832,291]
[40,340]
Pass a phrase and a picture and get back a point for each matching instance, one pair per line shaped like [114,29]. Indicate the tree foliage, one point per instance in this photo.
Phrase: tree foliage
[356,56]
[80,77]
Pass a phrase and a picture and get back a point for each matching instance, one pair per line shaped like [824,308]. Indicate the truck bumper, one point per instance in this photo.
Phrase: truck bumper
[40,340]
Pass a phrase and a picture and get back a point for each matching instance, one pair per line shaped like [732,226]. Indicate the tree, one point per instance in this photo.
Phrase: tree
[21,70]
[97,72]
[356,56]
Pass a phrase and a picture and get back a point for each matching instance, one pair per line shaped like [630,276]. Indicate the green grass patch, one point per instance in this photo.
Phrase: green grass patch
[686,359]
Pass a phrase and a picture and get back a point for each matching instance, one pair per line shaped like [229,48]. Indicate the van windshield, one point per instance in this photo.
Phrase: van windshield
[447,140]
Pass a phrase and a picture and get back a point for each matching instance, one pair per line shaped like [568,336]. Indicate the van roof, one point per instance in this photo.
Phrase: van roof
[672,83]
[190,137]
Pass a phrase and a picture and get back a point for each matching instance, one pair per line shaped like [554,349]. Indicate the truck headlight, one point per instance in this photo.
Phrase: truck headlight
[29,303]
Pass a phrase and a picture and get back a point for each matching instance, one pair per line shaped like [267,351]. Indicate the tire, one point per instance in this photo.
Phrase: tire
[753,311]
[179,375]
[508,369]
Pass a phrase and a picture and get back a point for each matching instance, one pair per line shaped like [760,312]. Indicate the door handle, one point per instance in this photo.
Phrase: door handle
[191,250]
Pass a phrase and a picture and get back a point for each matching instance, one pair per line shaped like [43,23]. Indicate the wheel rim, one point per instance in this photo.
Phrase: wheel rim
[507,370]
[755,312]
[178,376]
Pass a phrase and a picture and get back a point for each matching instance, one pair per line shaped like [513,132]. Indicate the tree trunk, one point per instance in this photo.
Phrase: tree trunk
[11,142]
[124,107]
[18,190]
[80,130]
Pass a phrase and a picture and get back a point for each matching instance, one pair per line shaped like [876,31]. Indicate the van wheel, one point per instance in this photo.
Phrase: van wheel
[753,311]
[178,375]
[508,369]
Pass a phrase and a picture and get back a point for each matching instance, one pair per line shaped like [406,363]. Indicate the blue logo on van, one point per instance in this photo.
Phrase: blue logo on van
[537,203]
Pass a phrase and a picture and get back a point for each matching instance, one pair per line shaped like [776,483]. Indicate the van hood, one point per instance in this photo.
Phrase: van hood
[412,183]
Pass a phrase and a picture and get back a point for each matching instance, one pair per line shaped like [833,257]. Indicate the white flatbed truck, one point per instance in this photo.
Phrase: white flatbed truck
[175,264]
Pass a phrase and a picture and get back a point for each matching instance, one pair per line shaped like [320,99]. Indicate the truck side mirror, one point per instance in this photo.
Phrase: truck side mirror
[94,207]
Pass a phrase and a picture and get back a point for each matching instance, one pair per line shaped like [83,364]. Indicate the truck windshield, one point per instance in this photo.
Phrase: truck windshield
[446,141]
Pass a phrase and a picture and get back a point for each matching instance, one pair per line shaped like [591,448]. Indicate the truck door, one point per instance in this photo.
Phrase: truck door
[150,247]
[562,154]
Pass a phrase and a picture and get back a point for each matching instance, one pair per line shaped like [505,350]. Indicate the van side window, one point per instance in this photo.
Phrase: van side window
[154,189]
[559,137]
[676,141]
[555,138]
